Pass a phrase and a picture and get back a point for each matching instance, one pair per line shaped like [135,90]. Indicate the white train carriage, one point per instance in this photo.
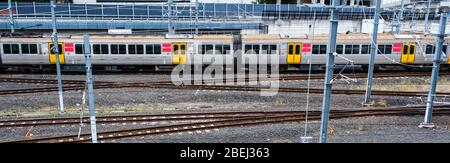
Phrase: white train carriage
[152,50]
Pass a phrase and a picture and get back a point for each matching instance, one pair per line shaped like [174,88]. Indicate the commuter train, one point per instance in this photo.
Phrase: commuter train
[149,52]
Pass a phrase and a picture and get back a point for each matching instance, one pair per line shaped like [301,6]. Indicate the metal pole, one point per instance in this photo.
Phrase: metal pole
[68,6]
[196,17]
[17,9]
[133,9]
[427,26]
[11,18]
[34,9]
[85,10]
[400,17]
[435,74]
[103,12]
[58,66]
[90,83]
[169,13]
[373,52]
[329,72]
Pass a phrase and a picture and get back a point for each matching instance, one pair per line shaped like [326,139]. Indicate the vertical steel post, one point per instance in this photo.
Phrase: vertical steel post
[17,9]
[11,18]
[400,17]
[118,12]
[226,9]
[169,13]
[85,10]
[103,13]
[427,26]
[68,6]
[427,123]
[331,49]
[196,17]
[90,83]
[34,9]
[133,9]
[373,52]
[56,50]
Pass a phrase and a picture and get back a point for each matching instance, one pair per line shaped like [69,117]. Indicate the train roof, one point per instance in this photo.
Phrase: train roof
[246,37]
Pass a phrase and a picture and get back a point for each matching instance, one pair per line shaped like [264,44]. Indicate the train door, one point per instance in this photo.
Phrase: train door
[52,55]
[408,53]
[179,50]
[294,54]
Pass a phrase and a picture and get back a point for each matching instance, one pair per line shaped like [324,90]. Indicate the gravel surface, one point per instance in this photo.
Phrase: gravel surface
[155,101]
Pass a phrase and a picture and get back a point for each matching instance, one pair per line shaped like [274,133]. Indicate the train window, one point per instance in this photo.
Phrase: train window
[183,49]
[156,49]
[209,49]
[348,49]
[96,48]
[175,49]
[206,49]
[429,49]
[315,49]
[265,49]
[365,49]
[340,49]
[256,49]
[388,49]
[291,49]
[323,49]
[33,49]
[122,49]
[248,49]
[226,49]
[25,48]
[149,49]
[114,49]
[412,49]
[405,49]
[52,50]
[273,49]
[104,48]
[139,49]
[381,49]
[79,49]
[297,49]
[223,49]
[444,49]
[132,49]
[355,49]
[7,49]
[15,48]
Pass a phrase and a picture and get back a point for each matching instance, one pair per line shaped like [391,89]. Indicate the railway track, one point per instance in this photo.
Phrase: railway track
[281,77]
[48,81]
[161,117]
[235,122]
[222,88]
[287,90]
[73,85]
[134,118]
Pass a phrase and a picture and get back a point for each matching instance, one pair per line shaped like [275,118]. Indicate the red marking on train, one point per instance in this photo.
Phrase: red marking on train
[167,48]
[306,48]
[397,48]
[68,47]
[5,12]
